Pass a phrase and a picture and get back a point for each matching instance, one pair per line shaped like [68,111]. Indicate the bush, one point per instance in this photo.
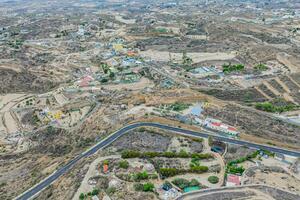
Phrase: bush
[169,172]
[95,192]
[111,190]
[213,179]
[270,107]
[228,68]
[235,169]
[148,187]
[200,140]
[169,154]
[260,67]
[105,162]
[141,176]
[194,182]
[199,169]
[81,196]
[130,154]
[124,164]
[138,187]
[181,183]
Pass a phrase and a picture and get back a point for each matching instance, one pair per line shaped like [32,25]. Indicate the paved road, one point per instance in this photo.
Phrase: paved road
[107,141]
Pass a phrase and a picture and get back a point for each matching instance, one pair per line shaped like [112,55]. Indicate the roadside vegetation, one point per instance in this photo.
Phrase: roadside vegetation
[182,154]
[232,167]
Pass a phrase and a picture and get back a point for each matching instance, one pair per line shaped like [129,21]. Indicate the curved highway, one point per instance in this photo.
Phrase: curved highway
[111,138]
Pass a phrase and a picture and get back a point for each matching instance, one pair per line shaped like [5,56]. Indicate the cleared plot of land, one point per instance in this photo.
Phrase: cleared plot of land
[143,83]
[10,123]
[60,98]
[165,56]
[280,180]
[125,21]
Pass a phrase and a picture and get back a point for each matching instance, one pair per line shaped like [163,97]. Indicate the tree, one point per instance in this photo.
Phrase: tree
[111,75]
[148,187]
[213,179]
[95,192]
[81,196]
[264,20]
[194,182]
[105,162]
[186,61]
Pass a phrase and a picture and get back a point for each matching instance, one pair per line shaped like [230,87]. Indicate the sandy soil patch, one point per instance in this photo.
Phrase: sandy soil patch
[10,123]
[143,83]
[289,61]
[7,101]
[164,56]
[60,98]
[125,21]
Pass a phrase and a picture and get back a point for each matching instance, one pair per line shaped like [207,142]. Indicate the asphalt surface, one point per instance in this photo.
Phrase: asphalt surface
[110,139]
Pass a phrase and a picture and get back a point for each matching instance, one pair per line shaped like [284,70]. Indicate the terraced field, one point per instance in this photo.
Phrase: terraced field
[287,87]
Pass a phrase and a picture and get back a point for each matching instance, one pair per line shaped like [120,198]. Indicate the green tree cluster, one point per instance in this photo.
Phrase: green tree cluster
[270,107]
[147,187]
[183,183]
[228,68]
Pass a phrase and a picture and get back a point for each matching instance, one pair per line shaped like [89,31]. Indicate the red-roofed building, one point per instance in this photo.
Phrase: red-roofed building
[216,123]
[105,168]
[219,126]
[233,180]
[85,81]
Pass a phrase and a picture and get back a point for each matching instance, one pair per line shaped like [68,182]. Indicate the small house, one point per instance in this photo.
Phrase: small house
[233,180]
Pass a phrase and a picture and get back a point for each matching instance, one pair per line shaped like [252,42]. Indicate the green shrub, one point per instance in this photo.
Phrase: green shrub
[141,176]
[183,154]
[81,196]
[111,190]
[124,164]
[235,169]
[169,154]
[228,68]
[270,107]
[199,169]
[194,182]
[130,154]
[200,140]
[95,192]
[260,67]
[213,179]
[148,187]
[138,187]
[169,172]
[105,162]
[181,183]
